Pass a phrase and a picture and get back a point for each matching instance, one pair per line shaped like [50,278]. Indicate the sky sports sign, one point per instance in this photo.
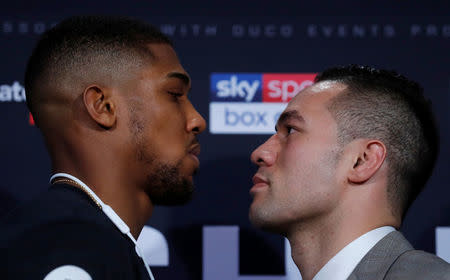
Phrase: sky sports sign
[250,103]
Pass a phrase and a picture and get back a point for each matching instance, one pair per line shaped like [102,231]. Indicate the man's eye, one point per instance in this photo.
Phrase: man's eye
[175,94]
[289,129]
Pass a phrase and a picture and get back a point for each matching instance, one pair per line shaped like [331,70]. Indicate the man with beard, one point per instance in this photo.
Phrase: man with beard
[350,155]
[111,100]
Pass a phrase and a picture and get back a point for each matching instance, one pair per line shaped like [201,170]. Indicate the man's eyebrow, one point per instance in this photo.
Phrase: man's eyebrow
[289,115]
[183,77]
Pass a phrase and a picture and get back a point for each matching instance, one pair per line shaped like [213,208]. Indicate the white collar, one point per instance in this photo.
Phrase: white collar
[345,261]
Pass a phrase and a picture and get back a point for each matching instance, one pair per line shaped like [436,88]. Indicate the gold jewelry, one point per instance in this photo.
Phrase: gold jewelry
[77,185]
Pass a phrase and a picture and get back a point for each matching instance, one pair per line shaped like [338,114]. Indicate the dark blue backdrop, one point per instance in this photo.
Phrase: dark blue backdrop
[235,37]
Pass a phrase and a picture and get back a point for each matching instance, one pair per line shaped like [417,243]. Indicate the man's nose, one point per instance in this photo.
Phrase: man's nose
[266,154]
[196,122]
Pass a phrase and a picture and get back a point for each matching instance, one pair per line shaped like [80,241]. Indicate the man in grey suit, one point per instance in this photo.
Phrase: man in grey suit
[350,155]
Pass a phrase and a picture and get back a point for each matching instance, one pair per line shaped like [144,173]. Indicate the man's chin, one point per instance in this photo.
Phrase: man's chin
[178,193]
[256,218]
[265,222]
[167,186]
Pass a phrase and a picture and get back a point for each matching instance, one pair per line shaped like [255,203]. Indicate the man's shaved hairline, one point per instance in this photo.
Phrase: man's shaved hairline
[342,107]
[105,69]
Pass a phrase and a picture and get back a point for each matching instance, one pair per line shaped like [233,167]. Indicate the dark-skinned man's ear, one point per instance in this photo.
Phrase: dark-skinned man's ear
[100,106]
[368,161]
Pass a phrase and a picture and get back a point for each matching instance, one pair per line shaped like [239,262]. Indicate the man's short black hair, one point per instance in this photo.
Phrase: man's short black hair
[86,46]
[384,105]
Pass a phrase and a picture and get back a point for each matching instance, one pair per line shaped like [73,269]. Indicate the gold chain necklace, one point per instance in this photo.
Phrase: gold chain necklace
[78,186]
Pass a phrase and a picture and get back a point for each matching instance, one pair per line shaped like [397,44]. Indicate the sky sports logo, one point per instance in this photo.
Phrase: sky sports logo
[250,103]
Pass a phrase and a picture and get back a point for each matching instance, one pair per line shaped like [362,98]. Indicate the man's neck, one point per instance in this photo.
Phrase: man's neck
[314,247]
[133,206]
[105,169]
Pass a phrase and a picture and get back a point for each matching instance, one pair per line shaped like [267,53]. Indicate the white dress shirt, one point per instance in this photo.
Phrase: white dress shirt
[345,261]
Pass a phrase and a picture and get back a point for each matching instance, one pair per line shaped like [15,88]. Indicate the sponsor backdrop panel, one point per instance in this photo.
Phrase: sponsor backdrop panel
[245,67]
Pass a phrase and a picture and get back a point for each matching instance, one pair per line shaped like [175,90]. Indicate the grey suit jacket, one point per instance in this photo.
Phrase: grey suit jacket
[393,258]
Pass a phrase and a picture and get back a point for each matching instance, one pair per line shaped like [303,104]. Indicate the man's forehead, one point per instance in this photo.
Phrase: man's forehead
[163,54]
[165,64]
[325,86]
[320,90]
[318,93]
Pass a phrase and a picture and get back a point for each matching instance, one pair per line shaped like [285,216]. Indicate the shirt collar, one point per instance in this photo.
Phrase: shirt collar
[345,261]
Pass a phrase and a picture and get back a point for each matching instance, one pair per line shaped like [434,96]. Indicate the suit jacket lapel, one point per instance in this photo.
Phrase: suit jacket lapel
[379,259]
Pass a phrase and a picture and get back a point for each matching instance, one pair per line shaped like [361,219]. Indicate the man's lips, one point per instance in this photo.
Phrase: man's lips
[259,181]
[195,149]
[194,152]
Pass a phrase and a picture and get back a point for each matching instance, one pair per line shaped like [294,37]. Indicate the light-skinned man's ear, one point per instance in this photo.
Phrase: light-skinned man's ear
[368,156]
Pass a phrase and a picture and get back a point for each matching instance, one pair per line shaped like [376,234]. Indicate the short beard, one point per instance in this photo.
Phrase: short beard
[165,186]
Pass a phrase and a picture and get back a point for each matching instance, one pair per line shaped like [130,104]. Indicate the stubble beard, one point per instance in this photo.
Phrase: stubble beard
[263,216]
[268,215]
[164,184]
